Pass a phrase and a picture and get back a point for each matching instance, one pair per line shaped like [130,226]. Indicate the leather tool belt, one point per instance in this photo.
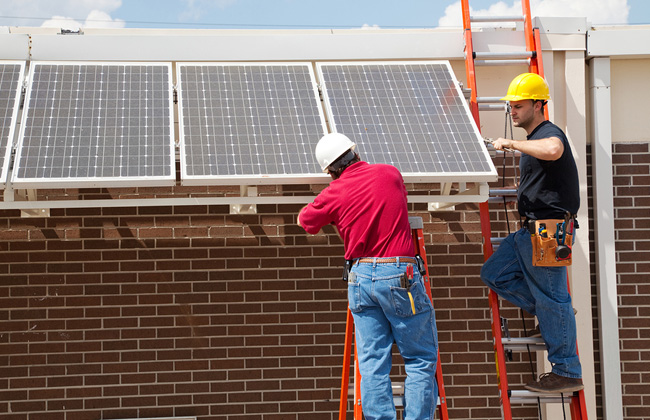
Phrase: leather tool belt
[552,240]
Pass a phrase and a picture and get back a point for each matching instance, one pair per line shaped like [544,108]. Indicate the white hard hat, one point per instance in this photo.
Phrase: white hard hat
[331,147]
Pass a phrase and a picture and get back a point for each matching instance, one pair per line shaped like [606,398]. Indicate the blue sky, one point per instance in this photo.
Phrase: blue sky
[297,13]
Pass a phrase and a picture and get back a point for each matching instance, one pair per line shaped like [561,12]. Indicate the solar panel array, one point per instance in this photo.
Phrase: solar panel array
[248,121]
[11,76]
[410,115]
[97,124]
[111,124]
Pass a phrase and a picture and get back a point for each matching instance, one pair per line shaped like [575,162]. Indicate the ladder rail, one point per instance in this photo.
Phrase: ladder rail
[345,375]
[469,62]
[499,355]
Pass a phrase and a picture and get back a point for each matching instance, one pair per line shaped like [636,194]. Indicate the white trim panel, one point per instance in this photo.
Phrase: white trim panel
[14,46]
[627,42]
[252,45]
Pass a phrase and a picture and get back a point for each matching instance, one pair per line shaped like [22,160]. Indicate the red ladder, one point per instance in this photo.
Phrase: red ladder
[531,56]
[418,238]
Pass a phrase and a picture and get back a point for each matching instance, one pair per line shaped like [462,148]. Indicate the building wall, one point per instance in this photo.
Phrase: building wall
[630,85]
[632,212]
[154,312]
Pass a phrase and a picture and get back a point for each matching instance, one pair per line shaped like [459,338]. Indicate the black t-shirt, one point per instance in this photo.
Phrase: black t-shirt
[548,189]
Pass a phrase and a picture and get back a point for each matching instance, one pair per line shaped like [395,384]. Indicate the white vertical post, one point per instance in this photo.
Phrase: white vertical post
[567,78]
[601,126]
[576,129]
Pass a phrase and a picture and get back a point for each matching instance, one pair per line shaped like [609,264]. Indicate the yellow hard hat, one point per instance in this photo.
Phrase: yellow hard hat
[527,86]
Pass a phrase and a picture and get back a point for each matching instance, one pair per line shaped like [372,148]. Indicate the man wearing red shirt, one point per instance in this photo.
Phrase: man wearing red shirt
[367,204]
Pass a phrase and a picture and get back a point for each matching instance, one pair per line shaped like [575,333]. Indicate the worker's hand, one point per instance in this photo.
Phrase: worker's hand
[503,144]
[298,218]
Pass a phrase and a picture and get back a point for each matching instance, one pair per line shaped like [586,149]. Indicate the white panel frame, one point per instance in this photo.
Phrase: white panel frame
[4,171]
[413,177]
[256,179]
[92,182]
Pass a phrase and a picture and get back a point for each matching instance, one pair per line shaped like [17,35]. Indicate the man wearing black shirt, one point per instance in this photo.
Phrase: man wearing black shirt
[549,189]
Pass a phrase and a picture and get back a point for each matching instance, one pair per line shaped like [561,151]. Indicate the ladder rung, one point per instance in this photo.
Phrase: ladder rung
[530,397]
[524,343]
[500,199]
[502,62]
[503,55]
[496,240]
[500,192]
[491,107]
[496,18]
[489,100]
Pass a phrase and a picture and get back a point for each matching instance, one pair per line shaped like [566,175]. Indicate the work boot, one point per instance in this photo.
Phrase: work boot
[550,383]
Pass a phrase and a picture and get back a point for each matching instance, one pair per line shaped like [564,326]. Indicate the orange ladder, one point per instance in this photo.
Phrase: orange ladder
[417,227]
[531,56]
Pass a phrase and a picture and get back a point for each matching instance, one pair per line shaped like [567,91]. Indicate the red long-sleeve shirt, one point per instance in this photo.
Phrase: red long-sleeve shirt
[367,204]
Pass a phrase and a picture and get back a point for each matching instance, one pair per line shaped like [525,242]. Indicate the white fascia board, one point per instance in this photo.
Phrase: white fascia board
[14,47]
[619,42]
[563,42]
[282,45]
[239,46]
[561,25]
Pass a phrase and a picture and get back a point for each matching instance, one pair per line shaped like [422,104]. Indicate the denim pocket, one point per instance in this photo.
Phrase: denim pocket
[354,297]
[402,301]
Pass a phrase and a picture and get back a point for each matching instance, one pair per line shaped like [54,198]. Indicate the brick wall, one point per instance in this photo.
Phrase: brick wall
[154,312]
[632,224]
[157,312]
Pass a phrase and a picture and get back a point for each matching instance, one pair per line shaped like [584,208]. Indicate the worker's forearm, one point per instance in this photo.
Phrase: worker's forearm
[546,149]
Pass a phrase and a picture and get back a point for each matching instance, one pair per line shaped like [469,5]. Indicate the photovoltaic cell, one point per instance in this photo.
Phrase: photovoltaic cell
[411,115]
[11,76]
[99,124]
[248,122]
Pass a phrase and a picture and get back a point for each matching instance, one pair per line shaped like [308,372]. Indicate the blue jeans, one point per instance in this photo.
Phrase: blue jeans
[382,314]
[540,291]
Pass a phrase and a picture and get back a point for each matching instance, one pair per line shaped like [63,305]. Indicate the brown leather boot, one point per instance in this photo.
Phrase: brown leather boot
[551,383]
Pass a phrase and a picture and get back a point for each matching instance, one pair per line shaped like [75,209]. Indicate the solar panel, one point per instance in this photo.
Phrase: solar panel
[11,77]
[408,114]
[97,124]
[249,123]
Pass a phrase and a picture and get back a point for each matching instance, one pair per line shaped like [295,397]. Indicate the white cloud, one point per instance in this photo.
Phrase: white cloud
[62,22]
[596,11]
[95,19]
[101,19]
[60,12]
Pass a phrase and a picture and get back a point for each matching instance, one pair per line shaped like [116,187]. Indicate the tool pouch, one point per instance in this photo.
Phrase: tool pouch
[551,248]
[346,269]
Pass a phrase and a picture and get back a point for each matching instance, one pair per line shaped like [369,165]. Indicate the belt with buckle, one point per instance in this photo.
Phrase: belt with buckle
[392,260]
